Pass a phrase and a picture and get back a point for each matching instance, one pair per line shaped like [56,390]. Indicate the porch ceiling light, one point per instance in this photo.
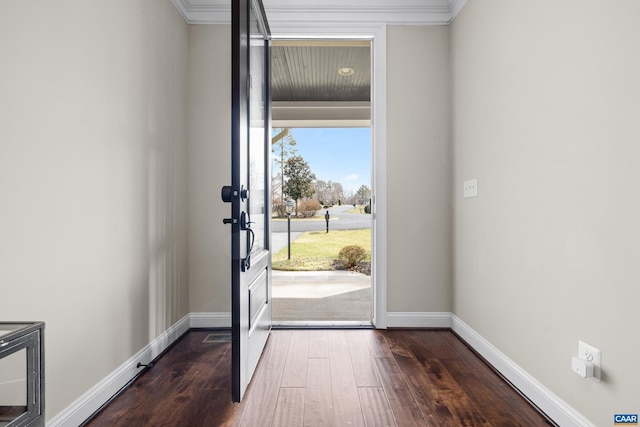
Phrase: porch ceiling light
[345,71]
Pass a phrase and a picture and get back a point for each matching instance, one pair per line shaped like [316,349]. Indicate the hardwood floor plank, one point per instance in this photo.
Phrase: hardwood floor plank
[487,399]
[418,346]
[488,391]
[425,389]
[217,395]
[405,410]
[318,344]
[425,392]
[362,360]
[265,384]
[289,408]
[295,370]
[427,374]
[464,361]
[318,405]
[378,344]
[346,402]
[177,384]
[375,407]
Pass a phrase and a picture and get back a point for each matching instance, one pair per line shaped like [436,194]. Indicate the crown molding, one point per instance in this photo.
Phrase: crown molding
[455,7]
[281,12]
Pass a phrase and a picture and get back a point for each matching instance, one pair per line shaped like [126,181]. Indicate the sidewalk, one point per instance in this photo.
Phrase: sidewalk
[321,296]
[279,241]
[316,284]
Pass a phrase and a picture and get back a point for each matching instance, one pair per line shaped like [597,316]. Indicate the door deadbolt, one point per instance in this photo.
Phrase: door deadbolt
[228,193]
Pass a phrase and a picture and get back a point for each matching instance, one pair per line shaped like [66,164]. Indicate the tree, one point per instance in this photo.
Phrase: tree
[283,146]
[278,206]
[329,192]
[300,179]
[363,193]
[320,191]
[338,193]
[351,198]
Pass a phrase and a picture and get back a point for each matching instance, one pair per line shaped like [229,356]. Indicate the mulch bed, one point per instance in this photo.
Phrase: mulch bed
[362,267]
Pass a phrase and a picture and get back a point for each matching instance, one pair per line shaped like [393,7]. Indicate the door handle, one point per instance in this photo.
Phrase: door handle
[245,225]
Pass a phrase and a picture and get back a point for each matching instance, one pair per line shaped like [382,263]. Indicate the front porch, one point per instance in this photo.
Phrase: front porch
[321,296]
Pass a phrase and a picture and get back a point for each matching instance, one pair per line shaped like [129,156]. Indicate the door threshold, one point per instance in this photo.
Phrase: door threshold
[321,324]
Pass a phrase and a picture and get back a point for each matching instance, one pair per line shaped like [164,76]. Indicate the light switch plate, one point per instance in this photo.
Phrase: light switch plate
[471,188]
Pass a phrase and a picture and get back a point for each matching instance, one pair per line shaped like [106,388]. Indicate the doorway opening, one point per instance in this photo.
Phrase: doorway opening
[322,172]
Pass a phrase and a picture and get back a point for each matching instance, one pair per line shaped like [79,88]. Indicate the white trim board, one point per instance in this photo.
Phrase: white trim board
[83,407]
[399,12]
[210,320]
[407,319]
[87,404]
[552,405]
[377,33]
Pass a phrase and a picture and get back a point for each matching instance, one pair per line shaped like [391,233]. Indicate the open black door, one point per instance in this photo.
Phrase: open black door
[249,192]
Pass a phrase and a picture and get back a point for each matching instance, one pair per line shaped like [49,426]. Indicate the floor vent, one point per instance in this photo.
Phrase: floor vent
[218,337]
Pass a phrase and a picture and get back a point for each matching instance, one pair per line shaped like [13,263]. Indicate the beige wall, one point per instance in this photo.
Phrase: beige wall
[418,169]
[209,167]
[98,102]
[92,180]
[546,108]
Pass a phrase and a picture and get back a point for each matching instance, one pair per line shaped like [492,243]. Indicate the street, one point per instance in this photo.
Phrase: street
[340,219]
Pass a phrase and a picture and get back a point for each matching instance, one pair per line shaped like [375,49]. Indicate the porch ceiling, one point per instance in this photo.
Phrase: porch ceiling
[310,71]
[321,83]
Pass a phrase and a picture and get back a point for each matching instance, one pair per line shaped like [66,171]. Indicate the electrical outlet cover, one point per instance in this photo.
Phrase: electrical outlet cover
[592,355]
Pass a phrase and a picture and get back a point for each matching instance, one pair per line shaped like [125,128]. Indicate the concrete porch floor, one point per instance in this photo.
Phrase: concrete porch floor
[316,296]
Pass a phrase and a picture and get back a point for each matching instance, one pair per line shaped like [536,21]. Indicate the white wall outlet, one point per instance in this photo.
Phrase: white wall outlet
[593,356]
[471,188]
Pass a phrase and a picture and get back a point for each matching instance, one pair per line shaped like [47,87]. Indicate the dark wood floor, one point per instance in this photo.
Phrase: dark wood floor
[325,378]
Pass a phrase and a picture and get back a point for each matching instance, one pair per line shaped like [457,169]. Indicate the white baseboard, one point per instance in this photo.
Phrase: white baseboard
[545,399]
[418,320]
[210,320]
[557,409]
[76,413]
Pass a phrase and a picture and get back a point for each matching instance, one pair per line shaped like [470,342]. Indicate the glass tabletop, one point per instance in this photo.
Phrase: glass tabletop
[9,327]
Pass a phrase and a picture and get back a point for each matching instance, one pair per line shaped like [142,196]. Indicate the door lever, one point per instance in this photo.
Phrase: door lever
[245,222]
[229,221]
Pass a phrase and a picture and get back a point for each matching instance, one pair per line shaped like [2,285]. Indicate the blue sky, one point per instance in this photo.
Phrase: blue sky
[338,154]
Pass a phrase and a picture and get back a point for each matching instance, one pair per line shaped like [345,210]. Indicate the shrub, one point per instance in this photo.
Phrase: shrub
[280,209]
[308,208]
[367,208]
[352,255]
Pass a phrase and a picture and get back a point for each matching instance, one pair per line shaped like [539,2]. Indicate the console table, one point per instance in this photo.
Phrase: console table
[22,374]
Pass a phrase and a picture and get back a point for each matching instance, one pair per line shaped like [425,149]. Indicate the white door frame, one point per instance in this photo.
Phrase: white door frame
[377,33]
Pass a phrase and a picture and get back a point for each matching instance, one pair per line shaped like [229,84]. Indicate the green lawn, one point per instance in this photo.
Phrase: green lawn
[359,209]
[316,250]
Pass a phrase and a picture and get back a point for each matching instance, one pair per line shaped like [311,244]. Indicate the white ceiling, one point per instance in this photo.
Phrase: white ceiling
[431,12]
